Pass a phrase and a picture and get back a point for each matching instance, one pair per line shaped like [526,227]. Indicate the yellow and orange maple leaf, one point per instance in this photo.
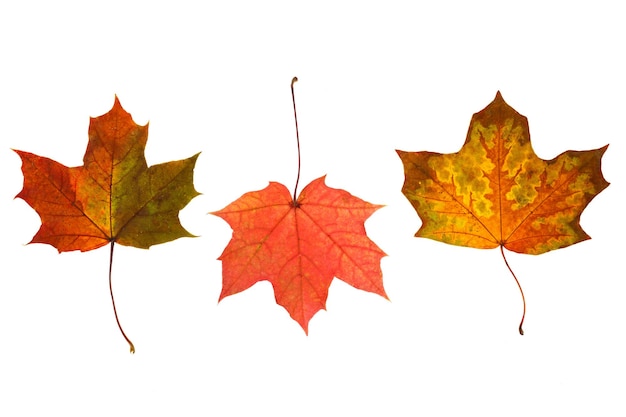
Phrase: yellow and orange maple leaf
[496,192]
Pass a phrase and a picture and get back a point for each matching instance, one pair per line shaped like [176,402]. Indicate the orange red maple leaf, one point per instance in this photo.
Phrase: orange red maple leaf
[300,246]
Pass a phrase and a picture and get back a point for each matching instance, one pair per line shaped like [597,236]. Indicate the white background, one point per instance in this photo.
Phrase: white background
[373,78]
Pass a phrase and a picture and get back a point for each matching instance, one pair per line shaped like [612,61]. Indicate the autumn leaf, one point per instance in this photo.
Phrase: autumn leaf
[496,192]
[300,245]
[114,197]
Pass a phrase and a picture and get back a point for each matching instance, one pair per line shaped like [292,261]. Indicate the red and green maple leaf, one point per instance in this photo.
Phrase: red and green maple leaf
[300,245]
[496,192]
[114,197]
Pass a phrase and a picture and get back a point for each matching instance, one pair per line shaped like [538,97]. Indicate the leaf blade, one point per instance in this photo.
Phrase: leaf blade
[113,196]
[496,191]
[299,247]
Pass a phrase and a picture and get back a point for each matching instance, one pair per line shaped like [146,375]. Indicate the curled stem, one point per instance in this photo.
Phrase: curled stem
[132,347]
[521,331]
[295,116]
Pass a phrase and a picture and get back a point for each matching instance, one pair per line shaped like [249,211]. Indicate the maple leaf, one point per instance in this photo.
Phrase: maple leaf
[114,197]
[300,245]
[496,192]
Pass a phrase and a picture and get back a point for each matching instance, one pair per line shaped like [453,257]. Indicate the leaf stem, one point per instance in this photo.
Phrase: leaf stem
[521,331]
[295,116]
[132,347]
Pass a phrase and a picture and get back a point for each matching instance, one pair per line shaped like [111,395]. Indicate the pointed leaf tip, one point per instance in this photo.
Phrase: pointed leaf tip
[498,97]
[116,102]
